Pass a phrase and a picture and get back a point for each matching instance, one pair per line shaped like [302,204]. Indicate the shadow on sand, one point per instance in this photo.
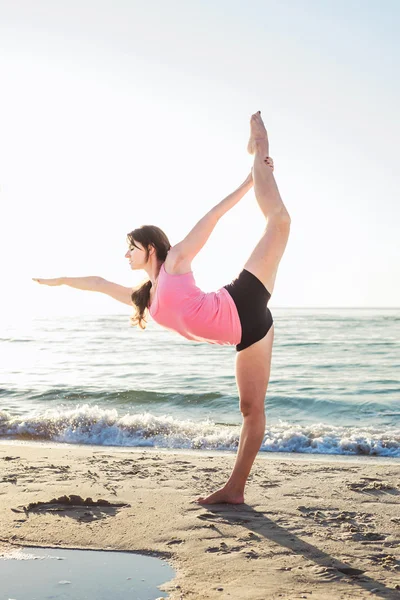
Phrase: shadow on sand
[262,525]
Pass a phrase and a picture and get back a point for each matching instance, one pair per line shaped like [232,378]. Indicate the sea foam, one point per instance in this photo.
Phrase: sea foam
[93,425]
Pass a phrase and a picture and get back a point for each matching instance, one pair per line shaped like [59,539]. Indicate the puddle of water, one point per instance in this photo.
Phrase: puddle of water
[51,573]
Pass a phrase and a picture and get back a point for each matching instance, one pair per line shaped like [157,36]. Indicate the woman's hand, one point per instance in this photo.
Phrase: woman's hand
[268,161]
[56,281]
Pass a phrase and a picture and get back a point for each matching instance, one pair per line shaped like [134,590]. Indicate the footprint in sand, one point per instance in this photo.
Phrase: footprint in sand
[269,484]
[213,517]
[334,516]
[387,561]
[251,536]
[231,518]
[251,554]
[10,479]
[326,573]
[369,536]
[223,548]
[356,525]
[75,507]
[373,486]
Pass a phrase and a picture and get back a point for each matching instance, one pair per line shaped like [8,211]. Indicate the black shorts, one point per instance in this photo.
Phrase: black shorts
[251,298]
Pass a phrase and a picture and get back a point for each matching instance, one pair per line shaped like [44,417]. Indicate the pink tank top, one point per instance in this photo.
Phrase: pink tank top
[179,305]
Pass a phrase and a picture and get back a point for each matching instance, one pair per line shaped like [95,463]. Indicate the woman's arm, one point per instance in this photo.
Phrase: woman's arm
[191,245]
[80,283]
[197,237]
[93,284]
[230,201]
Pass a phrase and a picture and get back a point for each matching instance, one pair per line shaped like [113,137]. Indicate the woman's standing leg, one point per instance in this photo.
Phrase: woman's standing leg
[253,366]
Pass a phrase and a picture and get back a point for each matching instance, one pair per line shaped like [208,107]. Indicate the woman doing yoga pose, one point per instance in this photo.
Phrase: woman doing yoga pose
[236,314]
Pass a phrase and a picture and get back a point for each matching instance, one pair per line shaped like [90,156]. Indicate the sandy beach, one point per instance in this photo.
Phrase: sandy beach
[311,527]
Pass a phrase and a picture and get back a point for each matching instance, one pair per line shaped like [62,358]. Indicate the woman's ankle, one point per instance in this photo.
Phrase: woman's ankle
[235,486]
[261,148]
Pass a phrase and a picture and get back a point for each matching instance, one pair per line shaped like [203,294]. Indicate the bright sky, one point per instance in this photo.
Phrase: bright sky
[119,113]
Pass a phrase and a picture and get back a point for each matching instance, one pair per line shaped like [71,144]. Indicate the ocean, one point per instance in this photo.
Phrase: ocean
[334,385]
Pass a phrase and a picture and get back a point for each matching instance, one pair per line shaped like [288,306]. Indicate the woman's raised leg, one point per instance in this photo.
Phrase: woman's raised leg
[266,256]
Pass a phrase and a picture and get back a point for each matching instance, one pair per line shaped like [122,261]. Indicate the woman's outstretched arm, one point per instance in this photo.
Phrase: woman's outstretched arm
[198,236]
[191,245]
[229,202]
[93,284]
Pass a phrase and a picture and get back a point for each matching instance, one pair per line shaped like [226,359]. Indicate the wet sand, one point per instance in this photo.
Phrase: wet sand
[321,527]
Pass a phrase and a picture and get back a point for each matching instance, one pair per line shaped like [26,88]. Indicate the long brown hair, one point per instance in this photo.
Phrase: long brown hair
[147,235]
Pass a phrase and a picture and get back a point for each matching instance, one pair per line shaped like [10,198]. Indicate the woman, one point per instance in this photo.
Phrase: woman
[236,314]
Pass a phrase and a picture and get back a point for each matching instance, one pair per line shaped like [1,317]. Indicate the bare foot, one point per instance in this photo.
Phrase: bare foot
[258,135]
[223,496]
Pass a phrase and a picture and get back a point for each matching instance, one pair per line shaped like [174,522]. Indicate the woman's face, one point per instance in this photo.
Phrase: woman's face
[136,256]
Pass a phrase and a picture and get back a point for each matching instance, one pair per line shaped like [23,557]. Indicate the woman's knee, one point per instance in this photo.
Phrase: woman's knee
[252,408]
